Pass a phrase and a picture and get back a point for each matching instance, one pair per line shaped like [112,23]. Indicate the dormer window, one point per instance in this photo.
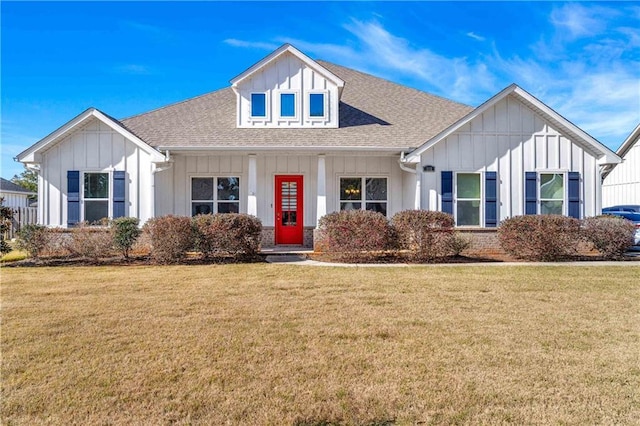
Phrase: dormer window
[258,105]
[288,105]
[317,107]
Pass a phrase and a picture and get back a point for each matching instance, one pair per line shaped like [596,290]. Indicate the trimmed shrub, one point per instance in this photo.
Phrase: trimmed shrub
[90,241]
[540,237]
[354,234]
[233,234]
[171,237]
[459,243]
[33,239]
[125,232]
[426,234]
[610,235]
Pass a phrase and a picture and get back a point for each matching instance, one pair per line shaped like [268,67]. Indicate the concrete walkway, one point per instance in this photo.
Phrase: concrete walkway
[302,260]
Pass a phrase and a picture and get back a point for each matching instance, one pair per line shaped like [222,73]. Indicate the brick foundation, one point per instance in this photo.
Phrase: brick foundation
[269,237]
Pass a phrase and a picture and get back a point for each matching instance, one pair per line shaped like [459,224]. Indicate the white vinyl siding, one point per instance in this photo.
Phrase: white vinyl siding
[510,139]
[95,147]
[287,74]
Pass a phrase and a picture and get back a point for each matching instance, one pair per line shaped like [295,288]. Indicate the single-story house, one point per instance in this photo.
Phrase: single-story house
[14,195]
[293,138]
[622,182]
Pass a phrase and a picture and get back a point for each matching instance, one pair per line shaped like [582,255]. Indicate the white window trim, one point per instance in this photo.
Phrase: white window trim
[482,198]
[108,200]
[296,105]
[363,191]
[215,200]
[565,190]
[325,101]
[267,106]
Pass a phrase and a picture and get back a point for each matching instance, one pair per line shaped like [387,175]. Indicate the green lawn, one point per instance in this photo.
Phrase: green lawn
[283,344]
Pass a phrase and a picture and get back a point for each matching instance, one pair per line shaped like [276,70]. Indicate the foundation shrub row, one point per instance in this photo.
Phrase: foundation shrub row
[426,236]
[166,238]
[552,237]
[356,235]
[416,235]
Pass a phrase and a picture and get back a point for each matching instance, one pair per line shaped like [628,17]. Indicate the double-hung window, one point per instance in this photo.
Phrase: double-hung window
[95,196]
[468,199]
[215,195]
[552,193]
[366,193]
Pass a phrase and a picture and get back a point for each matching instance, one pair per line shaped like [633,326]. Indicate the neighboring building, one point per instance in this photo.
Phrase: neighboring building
[293,139]
[622,182]
[14,195]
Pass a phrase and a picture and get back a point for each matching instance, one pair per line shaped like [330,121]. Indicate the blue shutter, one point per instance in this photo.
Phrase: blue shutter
[73,197]
[574,194]
[491,199]
[447,192]
[530,193]
[118,193]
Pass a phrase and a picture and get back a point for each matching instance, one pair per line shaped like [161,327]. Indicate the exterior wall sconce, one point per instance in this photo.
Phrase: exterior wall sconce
[428,168]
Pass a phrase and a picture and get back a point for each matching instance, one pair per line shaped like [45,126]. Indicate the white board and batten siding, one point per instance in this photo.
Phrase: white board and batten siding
[173,186]
[622,185]
[287,74]
[510,139]
[14,199]
[94,148]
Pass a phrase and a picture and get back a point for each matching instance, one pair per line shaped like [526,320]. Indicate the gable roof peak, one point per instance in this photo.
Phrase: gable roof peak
[287,48]
[573,132]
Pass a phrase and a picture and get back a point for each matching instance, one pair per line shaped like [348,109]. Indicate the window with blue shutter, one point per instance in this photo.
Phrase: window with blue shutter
[447,192]
[574,194]
[530,193]
[491,199]
[73,197]
[118,193]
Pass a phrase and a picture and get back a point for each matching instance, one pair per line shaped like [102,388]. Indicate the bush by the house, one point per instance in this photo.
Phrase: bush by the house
[540,237]
[233,234]
[610,235]
[33,239]
[90,241]
[426,234]
[459,243]
[354,234]
[125,232]
[6,214]
[171,237]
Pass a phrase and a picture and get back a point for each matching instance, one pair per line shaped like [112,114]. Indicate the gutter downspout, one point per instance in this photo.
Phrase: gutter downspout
[417,204]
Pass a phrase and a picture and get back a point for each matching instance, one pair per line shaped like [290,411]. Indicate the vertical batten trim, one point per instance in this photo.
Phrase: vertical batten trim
[321,203]
[252,201]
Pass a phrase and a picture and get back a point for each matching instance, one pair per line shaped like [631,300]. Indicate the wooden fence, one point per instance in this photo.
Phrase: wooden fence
[21,216]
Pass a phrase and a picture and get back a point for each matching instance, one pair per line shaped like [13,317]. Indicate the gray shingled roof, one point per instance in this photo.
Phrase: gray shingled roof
[374,113]
[7,185]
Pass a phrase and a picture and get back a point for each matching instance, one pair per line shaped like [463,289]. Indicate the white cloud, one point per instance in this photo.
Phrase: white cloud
[251,44]
[475,36]
[576,21]
[458,78]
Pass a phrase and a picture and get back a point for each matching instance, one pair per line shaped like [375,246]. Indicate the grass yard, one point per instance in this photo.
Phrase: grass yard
[280,344]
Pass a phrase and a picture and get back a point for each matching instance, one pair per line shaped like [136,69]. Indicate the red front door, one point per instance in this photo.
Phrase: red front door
[289,210]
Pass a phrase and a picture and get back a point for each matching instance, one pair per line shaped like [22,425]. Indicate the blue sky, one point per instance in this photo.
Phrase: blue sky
[57,59]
